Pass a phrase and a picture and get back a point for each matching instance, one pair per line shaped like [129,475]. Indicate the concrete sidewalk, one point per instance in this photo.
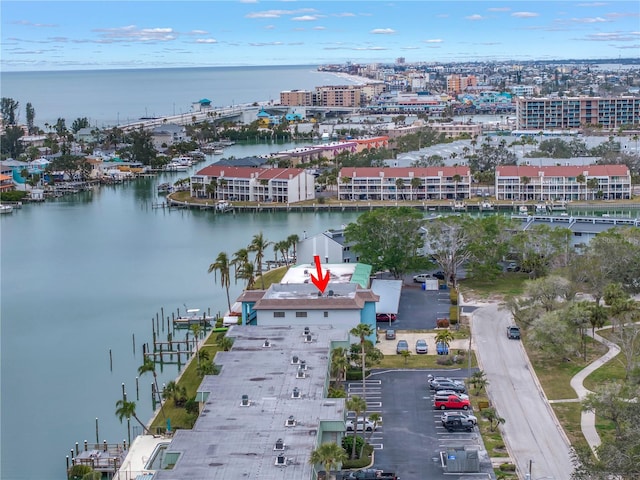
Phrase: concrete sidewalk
[588,419]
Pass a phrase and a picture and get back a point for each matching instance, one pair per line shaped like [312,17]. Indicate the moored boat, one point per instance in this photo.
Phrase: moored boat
[6,209]
[193,317]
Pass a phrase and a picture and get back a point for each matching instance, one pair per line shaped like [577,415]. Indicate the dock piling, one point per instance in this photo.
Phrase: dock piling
[133,336]
[97,435]
[110,360]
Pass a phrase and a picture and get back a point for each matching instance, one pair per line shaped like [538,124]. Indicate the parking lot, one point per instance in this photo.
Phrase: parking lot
[411,436]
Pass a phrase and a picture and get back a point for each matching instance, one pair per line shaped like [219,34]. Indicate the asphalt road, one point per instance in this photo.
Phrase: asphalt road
[531,431]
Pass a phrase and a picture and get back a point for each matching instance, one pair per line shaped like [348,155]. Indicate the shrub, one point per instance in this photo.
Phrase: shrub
[444,360]
[507,467]
[453,297]
[453,315]
[321,200]
[442,323]
[347,443]
[356,374]
[78,471]
[13,195]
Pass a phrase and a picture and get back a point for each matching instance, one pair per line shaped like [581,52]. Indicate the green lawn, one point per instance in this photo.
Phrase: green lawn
[569,417]
[505,284]
[422,361]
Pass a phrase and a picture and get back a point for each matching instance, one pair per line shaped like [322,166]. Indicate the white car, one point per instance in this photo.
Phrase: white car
[422,277]
[369,426]
[465,417]
[461,396]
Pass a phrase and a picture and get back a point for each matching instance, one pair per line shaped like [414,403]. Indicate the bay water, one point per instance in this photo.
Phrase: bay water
[82,276]
[111,97]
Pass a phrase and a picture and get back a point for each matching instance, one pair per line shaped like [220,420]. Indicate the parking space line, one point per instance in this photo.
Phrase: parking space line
[374,404]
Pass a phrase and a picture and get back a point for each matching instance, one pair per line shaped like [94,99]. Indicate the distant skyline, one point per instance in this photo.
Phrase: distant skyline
[80,35]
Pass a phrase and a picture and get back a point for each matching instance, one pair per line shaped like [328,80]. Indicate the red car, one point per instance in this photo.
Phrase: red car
[451,402]
[385,317]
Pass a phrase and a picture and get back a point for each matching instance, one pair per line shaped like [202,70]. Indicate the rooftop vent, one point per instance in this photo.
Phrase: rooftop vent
[279,444]
[295,360]
[296,393]
[330,293]
[307,331]
[303,364]
[245,401]
[266,344]
[307,339]
[300,373]
[281,460]
[290,422]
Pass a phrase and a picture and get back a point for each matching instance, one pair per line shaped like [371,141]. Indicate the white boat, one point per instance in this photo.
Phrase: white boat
[223,206]
[193,317]
[486,206]
[176,167]
[6,209]
[459,206]
[218,151]
[523,209]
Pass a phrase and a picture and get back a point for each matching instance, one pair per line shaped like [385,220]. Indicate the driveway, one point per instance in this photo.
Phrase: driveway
[531,431]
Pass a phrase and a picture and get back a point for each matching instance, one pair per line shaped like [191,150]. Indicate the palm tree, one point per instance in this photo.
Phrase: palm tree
[525,181]
[126,409]
[339,363]
[246,272]
[293,240]
[223,266]
[259,245]
[581,180]
[444,336]
[225,343]
[456,178]
[175,392]
[329,455]
[399,186]
[239,259]
[593,184]
[149,365]
[362,331]
[196,329]
[359,406]
[478,380]
[376,419]
[415,185]
[405,354]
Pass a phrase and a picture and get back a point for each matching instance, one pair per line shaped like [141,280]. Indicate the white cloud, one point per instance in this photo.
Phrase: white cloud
[383,31]
[434,40]
[592,4]
[590,20]
[27,23]
[206,40]
[133,33]
[524,14]
[197,32]
[319,27]
[265,44]
[279,13]
[344,14]
[475,17]
[305,18]
[499,9]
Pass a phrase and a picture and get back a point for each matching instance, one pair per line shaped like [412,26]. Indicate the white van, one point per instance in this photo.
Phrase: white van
[422,277]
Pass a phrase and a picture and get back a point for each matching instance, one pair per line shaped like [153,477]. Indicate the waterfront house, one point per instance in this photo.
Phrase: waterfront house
[563,183]
[341,305]
[404,183]
[246,184]
[6,183]
[168,134]
[331,246]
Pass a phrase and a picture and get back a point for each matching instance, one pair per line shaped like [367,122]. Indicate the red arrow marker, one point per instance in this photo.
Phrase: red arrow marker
[320,282]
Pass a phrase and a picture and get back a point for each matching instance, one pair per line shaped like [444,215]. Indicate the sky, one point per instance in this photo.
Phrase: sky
[80,35]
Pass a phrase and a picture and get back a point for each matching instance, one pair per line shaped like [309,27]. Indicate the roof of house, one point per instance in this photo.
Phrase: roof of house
[562,171]
[403,172]
[225,171]
[306,296]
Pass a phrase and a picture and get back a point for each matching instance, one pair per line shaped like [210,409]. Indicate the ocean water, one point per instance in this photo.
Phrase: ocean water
[110,97]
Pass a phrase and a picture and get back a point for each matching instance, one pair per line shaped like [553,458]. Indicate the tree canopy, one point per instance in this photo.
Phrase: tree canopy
[388,239]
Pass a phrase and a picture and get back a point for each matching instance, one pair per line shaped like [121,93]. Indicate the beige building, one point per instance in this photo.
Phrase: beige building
[404,183]
[339,96]
[294,98]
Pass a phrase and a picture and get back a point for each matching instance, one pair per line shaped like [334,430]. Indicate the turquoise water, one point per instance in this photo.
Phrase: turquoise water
[84,275]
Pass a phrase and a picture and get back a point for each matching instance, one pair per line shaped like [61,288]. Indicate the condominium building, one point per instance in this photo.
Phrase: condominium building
[563,183]
[246,184]
[404,183]
[296,97]
[339,96]
[575,112]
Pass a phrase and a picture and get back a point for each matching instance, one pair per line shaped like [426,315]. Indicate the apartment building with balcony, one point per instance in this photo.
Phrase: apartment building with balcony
[404,183]
[294,98]
[575,112]
[247,184]
[563,183]
[339,96]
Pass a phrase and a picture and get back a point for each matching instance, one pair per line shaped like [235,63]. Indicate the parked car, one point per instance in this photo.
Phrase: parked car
[402,346]
[456,387]
[442,348]
[512,267]
[372,474]
[422,277]
[421,346]
[513,332]
[390,334]
[464,416]
[431,379]
[457,425]
[439,275]
[368,425]
[451,402]
[463,396]
[385,317]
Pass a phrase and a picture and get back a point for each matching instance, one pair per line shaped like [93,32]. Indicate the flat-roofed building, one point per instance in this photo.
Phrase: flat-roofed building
[404,183]
[266,410]
[455,129]
[339,96]
[563,183]
[341,305]
[575,112]
[294,98]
